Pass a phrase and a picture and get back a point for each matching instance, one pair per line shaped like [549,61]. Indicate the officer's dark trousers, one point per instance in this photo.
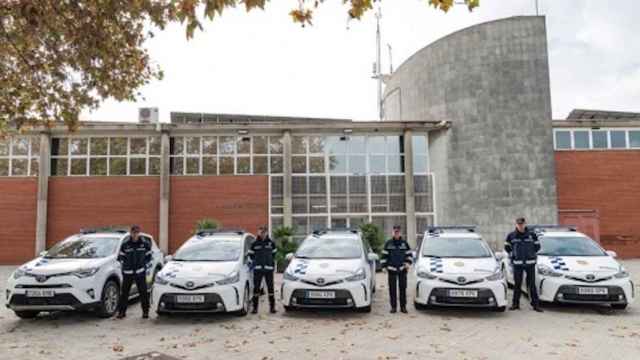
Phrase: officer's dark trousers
[141,284]
[398,279]
[258,275]
[518,272]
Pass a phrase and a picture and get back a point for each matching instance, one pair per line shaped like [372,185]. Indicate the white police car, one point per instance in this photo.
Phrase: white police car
[572,268]
[456,267]
[78,273]
[330,269]
[209,273]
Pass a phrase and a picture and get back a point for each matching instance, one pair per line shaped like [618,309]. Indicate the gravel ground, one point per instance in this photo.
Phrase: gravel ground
[561,332]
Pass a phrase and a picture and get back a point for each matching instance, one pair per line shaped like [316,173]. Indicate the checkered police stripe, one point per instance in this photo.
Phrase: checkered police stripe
[559,264]
[436,265]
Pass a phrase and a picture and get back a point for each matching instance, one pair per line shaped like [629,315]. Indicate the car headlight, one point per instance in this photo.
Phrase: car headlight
[19,273]
[160,280]
[547,271]
[85,273]
[426,275]
[357,276]
[289,277]
[498,275]
[622,273]
[231,279]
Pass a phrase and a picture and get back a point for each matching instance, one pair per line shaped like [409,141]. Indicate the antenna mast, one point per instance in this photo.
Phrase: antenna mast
[378,66]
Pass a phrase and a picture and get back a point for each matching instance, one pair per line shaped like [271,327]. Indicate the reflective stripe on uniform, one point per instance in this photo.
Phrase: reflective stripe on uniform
[530,262]
[127,271]
[140,270]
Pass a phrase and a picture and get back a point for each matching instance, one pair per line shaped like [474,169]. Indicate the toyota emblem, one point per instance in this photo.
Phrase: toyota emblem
[462,280]
[41,278]
[591,277]
[320,281]
[189,284]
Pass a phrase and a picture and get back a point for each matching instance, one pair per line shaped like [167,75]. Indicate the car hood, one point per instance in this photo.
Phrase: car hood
[327,269]
[177,271]
[581,266]
[470,267]
[44,266]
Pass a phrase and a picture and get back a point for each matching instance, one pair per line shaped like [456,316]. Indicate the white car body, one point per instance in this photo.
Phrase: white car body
[61,284]
[206,286]
[459,281]
[326,283]
[578,279]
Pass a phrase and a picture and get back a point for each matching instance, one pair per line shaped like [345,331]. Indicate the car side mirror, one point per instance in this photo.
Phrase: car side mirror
[612,253]
[499,255]
[168,258]
[373,257]
[43,253]
[289,256]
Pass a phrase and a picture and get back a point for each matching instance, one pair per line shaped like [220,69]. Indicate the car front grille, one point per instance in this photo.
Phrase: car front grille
[168,302]
[56,300]
[442,297]
[341,300]
[570,293]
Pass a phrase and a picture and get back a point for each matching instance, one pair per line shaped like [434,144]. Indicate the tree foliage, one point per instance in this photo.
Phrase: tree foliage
[58,57]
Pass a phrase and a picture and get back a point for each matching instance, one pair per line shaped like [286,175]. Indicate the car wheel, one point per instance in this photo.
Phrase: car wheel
[245,303]
[506,278]
[364,309]
[419,306]
[619,306]
[289,308]
[110,299]
[500,309]
[27,314]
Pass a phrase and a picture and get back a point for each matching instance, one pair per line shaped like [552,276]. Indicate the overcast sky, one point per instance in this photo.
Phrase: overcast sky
[262,63]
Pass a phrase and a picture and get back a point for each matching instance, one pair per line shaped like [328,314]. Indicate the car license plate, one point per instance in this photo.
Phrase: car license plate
[321,294]
[40,293]
[190,299]
[593,291]
[463,293]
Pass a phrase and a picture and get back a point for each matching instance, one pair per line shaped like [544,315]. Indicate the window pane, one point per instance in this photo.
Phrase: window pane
[618,139]
[138,146]
[227,145]
[395,144]
[358,164]
[260,145]
[117,166]
[599,139]
[226,165]
[317,223]
[338,185]
[396,184]
[59,146]
[317,185]
[634,138]
[78,147]
[338,203]
[358,204]
[377,164]
[317,204]
[99,146]
[209,145]
[396,203]
[34,167]
[193,145]
[316,144]
[376,144]
[244,165]
[19,167]
[276,165]
[581,139]
[78,166]
[21,146]
[299,164]
[379,185]
[97,166]
[35,146]
[379,203]
[193,165]
[118,146]
[563,140]
[176,146]
[155,145]
[299,145]
[316,164]
[275,144]
[154,166]
[299,204]
[419,144]
[59,167]
[4,147]
[357,145]
[419,164]
[4,167]
[395,163]
[209,165]
[336,145]
[358,185]
[137,166]
[177,165]
[260,165]
[337,164]
[244,145]
[299,185]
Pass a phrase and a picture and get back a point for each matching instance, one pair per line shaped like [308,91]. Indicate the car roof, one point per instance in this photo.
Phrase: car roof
[454,234]
[562,233]
[336,235]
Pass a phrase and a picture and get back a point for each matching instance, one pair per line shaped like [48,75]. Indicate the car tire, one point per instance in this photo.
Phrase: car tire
[110,299]
[27,314]
[364,309]
[419,306]
[245,303]
[289,308]
[500,309]
[506,278]
[618,306]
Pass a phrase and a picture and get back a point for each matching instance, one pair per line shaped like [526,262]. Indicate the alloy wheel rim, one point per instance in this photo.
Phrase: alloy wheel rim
[111,299]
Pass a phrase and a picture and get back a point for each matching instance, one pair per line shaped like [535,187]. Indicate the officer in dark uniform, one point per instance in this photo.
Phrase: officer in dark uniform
[135,258]
[523,245]
[261,253]
[397,259]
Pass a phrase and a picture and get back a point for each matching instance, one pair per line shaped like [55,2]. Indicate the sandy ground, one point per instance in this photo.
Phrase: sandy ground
[561,332]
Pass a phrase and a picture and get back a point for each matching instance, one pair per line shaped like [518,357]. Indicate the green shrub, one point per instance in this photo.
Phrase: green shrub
[206,224]
[282,237]
[374,236]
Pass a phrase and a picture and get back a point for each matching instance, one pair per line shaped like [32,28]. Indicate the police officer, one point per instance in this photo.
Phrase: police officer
[523,245]
[261,253]
[135,258]
[397,259]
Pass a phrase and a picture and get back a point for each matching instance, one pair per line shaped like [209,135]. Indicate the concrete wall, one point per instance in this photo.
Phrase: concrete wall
[492,82]
[18,220]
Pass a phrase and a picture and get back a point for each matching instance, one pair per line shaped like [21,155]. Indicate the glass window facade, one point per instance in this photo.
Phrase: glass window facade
[597,139]
[19,156]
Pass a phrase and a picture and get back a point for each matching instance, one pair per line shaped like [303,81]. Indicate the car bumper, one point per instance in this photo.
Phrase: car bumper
[563,290]
[226,298]
[347,295]
[491,294]
[69,293]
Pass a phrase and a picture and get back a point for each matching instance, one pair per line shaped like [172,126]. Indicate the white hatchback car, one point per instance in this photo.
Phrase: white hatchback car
[456,267]
[79,273]
[330,269]
[209,273]
[572,268]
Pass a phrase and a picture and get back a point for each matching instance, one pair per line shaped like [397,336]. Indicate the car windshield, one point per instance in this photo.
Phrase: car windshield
[448,247]
[210,250]
[330,248]
[569,246]
[84,247]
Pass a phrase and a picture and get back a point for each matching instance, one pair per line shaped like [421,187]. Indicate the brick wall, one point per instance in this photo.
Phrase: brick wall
[18,203]
[80,202]
[606,181]
[235,201]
